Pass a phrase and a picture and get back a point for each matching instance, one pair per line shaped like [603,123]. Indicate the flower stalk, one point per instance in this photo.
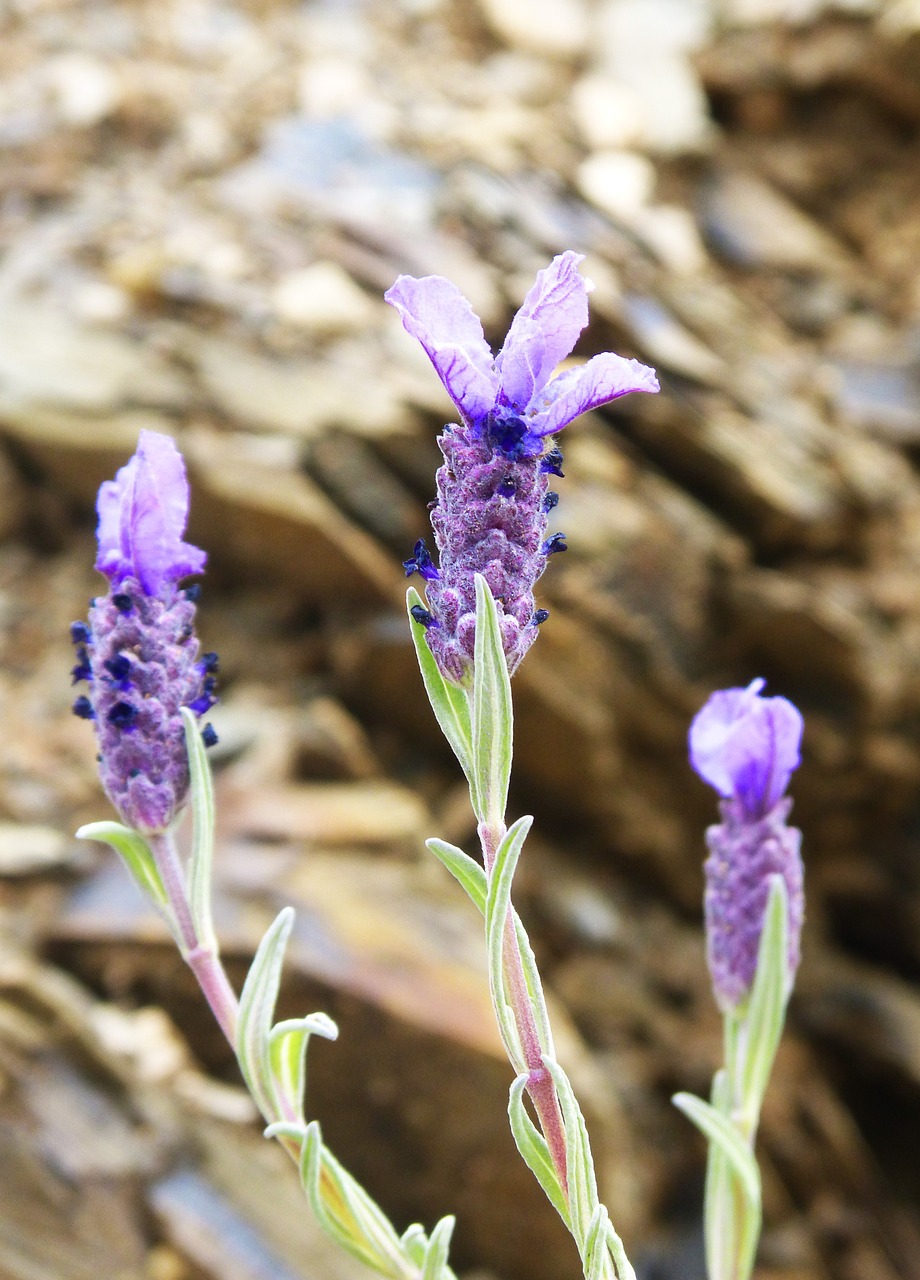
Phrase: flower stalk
[746,746]
[147,689]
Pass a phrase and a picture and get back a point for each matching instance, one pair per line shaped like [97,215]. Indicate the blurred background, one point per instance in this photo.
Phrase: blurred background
[201,203]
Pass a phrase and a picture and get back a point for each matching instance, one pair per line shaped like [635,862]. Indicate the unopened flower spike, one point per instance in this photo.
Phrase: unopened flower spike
[746,746]
[138,650]
[493,499]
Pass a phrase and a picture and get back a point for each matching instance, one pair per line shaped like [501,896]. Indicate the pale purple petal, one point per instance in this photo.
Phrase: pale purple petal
[746,746]
[557,308]
[142,517]
[435,312]
[604,378]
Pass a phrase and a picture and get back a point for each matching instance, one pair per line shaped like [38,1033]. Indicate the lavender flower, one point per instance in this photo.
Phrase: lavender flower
[138,651]
[746,747]
[493,495]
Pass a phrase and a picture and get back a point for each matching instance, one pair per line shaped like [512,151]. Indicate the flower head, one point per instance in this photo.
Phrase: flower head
[746,747]
[493,494]
[142,517]
[138,650]
[513,397]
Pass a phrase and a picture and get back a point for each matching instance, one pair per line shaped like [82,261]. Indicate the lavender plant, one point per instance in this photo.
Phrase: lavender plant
[745,746]
[148,687]
[471,633]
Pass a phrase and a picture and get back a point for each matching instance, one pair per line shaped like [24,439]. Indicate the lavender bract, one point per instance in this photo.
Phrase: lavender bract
[493,494]
[746,747]
[138,651]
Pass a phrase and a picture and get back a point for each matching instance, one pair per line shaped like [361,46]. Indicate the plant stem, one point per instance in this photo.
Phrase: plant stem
[540,1085]
[203,959]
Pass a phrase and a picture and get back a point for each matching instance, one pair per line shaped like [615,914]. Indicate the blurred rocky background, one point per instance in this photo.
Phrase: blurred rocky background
[201,203]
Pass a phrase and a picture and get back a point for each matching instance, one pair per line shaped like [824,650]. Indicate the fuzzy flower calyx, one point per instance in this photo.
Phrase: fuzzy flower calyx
[493,494]
[747,746]
[138,650]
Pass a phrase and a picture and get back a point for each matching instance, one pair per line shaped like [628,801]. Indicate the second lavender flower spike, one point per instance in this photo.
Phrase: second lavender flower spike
[747,747]
[493,490]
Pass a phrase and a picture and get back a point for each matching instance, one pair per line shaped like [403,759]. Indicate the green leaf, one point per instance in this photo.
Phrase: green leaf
[347,1213]
[533,1149]
[596,1256]
[463,868]
[493,718]
[202,799]
[719,1131]
[498,903]
[623,1266]
[436,1253]
[288,1043]
[257,1009]
[762,1021]
[579,1163]
[135,853]
[414,1242]
[449,701]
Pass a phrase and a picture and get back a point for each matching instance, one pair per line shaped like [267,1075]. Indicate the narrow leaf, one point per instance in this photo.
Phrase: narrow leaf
[438,1248]
[498,902]
[463,868]
[718,1130]
[493,717]
[533,1149]
[623,1266]
[766,1011]
[579,1163]
[288,1043]
[414,1242]
[596,1257]
[202,799]
[134,852]
[449,701]
[257,1007]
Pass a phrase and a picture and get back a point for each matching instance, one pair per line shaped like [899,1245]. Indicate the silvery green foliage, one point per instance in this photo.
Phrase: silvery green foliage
[729,1121]
[478,723]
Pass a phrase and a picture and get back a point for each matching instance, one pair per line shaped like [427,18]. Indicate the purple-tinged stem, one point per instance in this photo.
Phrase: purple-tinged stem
[202,959]
[540,1084]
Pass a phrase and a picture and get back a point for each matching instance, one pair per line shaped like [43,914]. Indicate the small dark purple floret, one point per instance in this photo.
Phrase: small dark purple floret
[193,592]
[552,462]
[83,670]
[119,667]
[505,487]
[539,617]
[209,735]
[79,633]
[122,714]
[83,708]
[550,502]
[554,544]
[421,562]
[423,617]
[210,661]
[122,602]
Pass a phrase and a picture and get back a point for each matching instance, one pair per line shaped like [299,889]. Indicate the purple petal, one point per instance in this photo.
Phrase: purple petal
[604,378]
[746,746]
[142,517]
[544,330]
[434,311]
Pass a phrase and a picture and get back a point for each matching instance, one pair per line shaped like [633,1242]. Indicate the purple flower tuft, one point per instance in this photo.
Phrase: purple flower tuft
[139,651]
[746,747]
[142,517]
[493,497]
